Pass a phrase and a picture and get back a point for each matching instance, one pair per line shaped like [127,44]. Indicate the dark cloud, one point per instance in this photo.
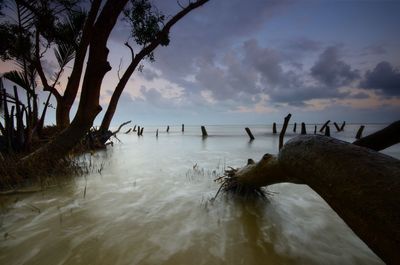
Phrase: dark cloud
[331,71]
[264,60]
[251,70]
[384,77]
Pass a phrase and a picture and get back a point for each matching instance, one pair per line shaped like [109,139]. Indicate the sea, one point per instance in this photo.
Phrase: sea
[150,200]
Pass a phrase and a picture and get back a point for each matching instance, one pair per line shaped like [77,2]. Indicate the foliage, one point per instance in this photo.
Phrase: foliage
[146,23]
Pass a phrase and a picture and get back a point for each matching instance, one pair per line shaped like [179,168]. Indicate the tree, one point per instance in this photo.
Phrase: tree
[42,25]
[97,67]
[149,32]
[360,184]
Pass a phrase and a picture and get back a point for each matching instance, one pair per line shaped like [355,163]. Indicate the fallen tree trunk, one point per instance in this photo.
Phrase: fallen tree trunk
[381,139]
[361,185]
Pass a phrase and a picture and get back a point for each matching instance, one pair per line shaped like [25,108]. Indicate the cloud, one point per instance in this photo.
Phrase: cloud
[331,71]
[383,77]
[302,44]
[374,50]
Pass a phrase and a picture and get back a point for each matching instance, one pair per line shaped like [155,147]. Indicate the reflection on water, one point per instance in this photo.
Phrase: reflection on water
[151,205]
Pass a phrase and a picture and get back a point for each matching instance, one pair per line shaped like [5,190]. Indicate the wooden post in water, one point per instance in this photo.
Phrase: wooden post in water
[204,131]
[274,128]
[337,127]
[249,133]
[315,129]
[138,130]
[327,131]
[294,127]
[303,128]
[359,132]
[134,129]
[283,131]
[167,128]
[157,133]
[342,127]
[141,131]
[323,126]
[183,127]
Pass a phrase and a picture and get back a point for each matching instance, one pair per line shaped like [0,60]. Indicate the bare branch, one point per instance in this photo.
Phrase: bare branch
[131,49]
[119,69]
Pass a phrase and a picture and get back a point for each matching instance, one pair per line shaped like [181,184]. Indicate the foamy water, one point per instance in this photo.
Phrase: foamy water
[151,205]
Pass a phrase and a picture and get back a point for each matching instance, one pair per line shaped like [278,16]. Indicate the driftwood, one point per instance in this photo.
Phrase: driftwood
[359,132]
[303,128]
[323,126]
[361,185]
[250,134]
[283,131]
[204,131]
[337,127]
[381,139]
[342,127]
[327,131]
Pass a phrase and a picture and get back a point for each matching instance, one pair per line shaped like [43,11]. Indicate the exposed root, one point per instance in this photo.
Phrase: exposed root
[230,184]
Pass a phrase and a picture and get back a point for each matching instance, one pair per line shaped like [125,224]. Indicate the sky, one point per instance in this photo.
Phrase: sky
[255,61]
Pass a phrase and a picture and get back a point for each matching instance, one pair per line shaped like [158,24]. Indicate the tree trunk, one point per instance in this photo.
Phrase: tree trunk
[62,113]
[112,106]
[66,101]
[361,185]
[97,67]
[381,139]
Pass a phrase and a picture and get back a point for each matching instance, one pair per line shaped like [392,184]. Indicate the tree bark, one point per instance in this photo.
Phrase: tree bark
[361,185]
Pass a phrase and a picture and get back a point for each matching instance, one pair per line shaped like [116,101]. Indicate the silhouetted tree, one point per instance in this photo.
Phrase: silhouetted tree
[148,31]
[96,68]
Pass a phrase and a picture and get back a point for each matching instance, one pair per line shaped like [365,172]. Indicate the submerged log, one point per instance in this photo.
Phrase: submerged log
[303,128]
[337,127]
[362,186]
[204,131]
[323,126]
[327,131]
[342,127]
[250,134]
[359,132]
[283,131]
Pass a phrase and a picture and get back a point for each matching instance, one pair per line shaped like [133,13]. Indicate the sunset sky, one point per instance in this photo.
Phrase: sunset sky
[234,62]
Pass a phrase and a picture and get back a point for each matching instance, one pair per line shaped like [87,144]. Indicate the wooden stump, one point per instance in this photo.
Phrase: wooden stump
[249,133]
[303,128]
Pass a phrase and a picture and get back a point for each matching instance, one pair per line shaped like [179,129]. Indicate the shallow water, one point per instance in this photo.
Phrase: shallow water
[151,205]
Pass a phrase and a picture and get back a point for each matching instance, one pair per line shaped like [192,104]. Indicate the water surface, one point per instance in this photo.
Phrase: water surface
[151,205]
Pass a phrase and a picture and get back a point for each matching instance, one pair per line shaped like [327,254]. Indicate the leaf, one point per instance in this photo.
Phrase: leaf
[18,78]
[64,53]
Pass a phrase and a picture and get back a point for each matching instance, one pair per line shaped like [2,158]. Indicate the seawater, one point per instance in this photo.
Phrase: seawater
[149,202]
